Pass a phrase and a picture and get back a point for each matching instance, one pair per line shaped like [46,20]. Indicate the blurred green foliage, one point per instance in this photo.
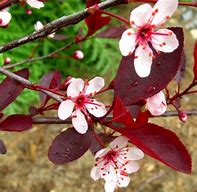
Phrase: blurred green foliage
[101,55]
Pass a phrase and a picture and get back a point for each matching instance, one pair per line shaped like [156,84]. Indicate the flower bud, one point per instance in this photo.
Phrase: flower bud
[182,116]
[7,60]
[28,11]
[78,54]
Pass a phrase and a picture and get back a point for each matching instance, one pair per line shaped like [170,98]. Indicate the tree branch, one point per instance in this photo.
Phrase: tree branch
[28,84]
[55,120]
[7,3]
[57,24]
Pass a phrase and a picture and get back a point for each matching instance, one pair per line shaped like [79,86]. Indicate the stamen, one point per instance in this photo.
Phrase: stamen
[129,33]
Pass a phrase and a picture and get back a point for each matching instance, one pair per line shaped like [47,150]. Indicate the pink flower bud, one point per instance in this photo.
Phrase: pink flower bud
[78,54]
[7,60]
[28,11]
[157,104]
[182,116]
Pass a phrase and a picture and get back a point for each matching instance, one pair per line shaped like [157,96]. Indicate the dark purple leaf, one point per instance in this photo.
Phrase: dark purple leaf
[69,145]
[180,73]
[16,123]
[10,89]
[131,88]
[50,80]
[95,21]
[3,149]
[160,143]
[195,61]
[112,32]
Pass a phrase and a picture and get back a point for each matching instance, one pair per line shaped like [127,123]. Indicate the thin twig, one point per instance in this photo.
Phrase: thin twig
[55,120]
[57,24]
[28,84]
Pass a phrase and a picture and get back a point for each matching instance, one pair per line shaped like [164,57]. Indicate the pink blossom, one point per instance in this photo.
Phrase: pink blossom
[80,97]
[157,104]
[115,163]
[144,21]
[35,3]
[5,18]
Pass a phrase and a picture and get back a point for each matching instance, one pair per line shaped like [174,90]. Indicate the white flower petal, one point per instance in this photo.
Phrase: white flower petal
[123,181]
[97,109]
[127,42]
[157,104]
[35,4]
[95,174]
[38,26]
[140,15]
[120,141]
[143,61]
[165,43]
[131,167]
[75,87]
[110,186]
[65,109]
[5,18]
[79,122]
[94,85]
[165,8]
[101,153]
[134,154]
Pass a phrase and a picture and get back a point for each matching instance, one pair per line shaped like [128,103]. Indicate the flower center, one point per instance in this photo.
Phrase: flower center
[144,33]
[80,100]
[111,155]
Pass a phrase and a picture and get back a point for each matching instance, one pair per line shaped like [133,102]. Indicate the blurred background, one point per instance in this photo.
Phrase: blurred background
[25,167]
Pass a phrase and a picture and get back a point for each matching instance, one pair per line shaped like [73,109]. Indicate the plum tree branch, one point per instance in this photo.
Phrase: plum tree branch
[55,120]
[57,24]
[28,84]
[7,3]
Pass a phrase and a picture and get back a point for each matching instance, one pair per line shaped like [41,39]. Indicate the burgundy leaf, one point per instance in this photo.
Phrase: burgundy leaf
[95,21]
[195,61]
[3,149]
[1,115]
[121,114]
[16,123]
[112,32]
[10,89]
[180,73]
[131,88]
[69,145]
[160,143]
[50,80]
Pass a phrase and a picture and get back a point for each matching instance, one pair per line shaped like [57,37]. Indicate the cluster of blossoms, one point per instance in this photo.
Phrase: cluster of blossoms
[142,35]
[115,163]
